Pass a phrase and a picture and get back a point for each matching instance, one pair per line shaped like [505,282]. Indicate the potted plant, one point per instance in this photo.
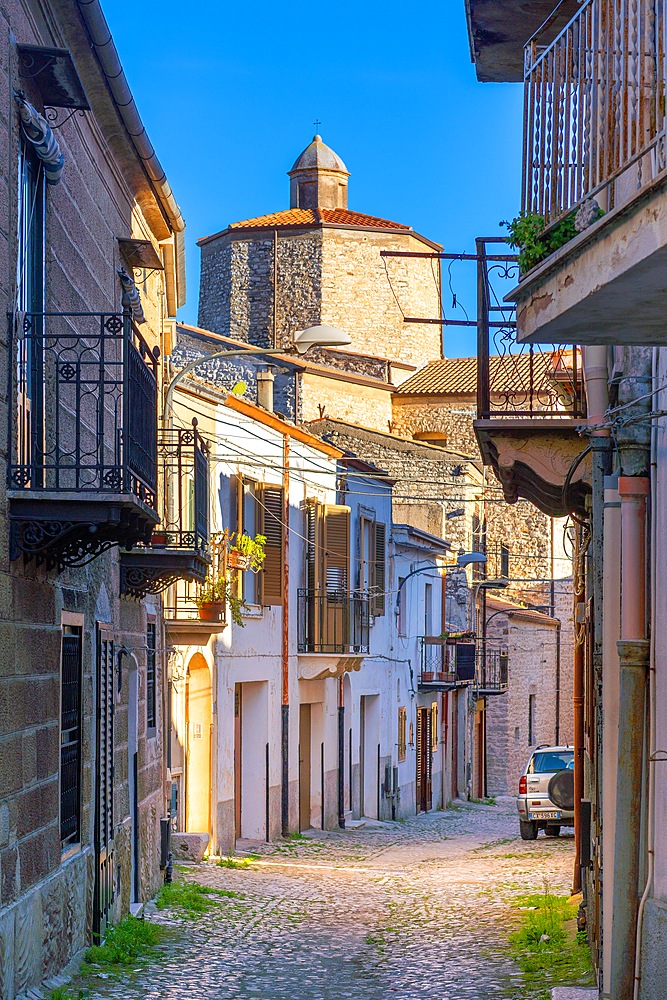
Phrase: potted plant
[427,675]
[246,552]
[215,594]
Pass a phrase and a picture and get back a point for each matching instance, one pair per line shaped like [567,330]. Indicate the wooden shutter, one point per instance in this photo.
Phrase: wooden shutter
[379,576]
[271,526]
[104,785]
[336,540]
[239,503]
[314,545]
[70,736]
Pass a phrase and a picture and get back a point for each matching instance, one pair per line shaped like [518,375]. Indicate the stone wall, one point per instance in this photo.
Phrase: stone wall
[327,275]
[532,656]
[323,398]
[45,895]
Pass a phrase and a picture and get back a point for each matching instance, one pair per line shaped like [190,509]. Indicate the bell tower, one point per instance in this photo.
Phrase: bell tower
[319,178]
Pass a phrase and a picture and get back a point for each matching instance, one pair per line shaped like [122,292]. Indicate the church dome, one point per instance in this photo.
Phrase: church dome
[319,178]
[319,155]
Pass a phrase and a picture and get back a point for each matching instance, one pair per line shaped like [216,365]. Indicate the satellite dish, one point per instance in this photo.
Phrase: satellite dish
[240,388]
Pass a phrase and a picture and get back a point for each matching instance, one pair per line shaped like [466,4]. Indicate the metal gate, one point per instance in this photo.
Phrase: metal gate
[424,760]
[104,774]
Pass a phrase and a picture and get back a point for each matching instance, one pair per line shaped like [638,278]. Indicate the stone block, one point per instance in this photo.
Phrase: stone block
[189,846]
[654,947]
[573,993]
[28,938]
[11,778]
[47,751]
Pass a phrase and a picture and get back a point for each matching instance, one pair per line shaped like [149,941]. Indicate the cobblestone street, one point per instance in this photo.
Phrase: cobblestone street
[390,909]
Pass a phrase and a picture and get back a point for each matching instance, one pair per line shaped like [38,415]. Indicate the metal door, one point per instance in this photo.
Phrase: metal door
[104,774]
[424,760]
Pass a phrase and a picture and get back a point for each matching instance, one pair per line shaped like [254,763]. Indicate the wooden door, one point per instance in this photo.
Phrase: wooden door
[424,760]
[104,829]
[304,767]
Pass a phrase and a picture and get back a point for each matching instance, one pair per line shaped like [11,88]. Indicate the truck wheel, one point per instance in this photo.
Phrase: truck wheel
[552,831]
[528,829]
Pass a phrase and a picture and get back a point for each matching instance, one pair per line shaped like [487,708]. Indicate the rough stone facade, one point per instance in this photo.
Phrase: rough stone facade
[46,892]
[532,671]
[327,275]
[538,547]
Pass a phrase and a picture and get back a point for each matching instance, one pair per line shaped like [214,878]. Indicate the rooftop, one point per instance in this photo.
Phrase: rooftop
[507,373]
[309,218]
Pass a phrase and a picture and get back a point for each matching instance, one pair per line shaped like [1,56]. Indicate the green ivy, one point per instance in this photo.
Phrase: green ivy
[529,234]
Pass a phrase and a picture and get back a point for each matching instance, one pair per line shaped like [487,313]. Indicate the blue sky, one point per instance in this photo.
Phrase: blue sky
[229,93]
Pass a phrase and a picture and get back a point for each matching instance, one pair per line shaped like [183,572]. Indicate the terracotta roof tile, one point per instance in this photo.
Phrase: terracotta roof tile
[318,217]
[509,373]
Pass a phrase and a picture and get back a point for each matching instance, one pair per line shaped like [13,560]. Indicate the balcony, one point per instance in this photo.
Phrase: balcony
[82,474]
[334,625]
[595,128]
[491,675]
[178,546]
[445,663]
[530,400]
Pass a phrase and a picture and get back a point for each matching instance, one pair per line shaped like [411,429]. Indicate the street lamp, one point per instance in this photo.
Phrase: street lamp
[463,559]
[313,336]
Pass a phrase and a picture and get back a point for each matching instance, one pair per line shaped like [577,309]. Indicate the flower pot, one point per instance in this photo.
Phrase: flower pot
[237,560]
[427,675]
[210,612]
[159,538]
[442,676]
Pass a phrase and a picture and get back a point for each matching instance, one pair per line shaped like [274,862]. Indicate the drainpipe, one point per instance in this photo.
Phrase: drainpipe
[578,704]
[597,398]
[341,753]
[284,736]
[650,807]
[633,652]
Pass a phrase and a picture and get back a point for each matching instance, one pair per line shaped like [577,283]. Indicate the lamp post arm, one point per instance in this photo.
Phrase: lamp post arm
[420,569]
[241,352]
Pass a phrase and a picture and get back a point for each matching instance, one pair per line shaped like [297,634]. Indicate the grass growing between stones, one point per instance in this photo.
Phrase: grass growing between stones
[191,900]
[126,943]
[60,993]
[230,862]
[547,946]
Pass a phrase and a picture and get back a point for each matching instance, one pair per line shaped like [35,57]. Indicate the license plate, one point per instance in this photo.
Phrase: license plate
[545,815]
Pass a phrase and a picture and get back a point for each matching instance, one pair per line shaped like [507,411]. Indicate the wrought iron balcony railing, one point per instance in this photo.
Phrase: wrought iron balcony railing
[595,105]
[83,435]
[516,380]
[491,675]
[178,547]
[333,621]
[445,662]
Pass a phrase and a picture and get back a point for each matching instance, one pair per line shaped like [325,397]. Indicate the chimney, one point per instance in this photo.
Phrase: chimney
[265,380]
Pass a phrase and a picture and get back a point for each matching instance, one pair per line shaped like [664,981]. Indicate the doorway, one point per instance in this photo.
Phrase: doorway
[369,747]
[424,760]
[198,718]
[133,776]
[305,769]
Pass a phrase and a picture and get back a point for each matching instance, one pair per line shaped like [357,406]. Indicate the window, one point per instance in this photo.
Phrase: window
[328,549]
[271,500]
[151,675]
[504,561]
[531,720]
[402,733]
[70,736]
[372,563]
[247,523]
[434,726]
[402,606]
[428,609]
[30,298]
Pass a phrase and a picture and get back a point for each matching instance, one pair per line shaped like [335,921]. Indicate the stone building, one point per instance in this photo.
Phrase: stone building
[265,278]
[523,544]
[82,782]
[524,643]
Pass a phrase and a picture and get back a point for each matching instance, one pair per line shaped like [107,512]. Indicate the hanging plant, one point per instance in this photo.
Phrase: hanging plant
[530,235]
[246,552]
